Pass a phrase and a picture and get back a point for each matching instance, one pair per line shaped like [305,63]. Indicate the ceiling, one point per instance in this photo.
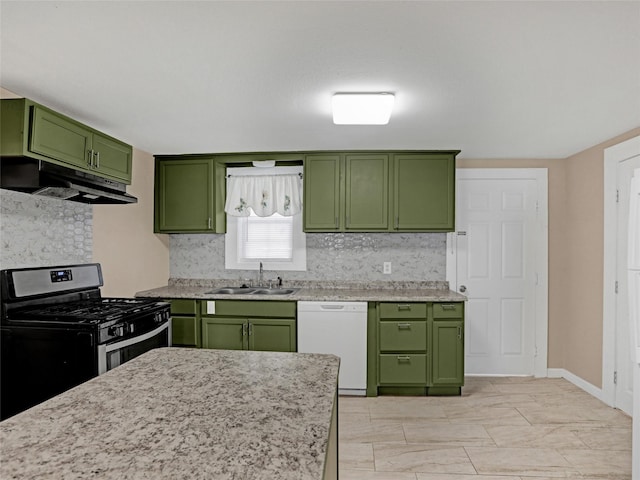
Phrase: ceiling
[494,79]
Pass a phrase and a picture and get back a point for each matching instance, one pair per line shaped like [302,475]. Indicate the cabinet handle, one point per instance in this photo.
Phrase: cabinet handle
[397,221]
[404,325]
[403,359]
[90,158]
[404,307]
[97,154]
[244,329]
[459,333]
[209,223]
[250,329]
[448,307]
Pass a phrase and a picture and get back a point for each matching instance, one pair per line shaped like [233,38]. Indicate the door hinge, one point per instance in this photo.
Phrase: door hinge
[615,378]
[616,286]
[617,196]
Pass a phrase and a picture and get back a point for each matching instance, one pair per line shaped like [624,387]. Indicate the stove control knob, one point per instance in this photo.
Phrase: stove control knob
[116,331]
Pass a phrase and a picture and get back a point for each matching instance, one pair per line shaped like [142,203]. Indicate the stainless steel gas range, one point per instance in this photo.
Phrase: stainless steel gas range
[57,331]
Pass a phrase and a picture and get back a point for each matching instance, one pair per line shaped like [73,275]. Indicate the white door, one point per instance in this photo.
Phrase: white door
[498,236]
[617,384]
[624,372]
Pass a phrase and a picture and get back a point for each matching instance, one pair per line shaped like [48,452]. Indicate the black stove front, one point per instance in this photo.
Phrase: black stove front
[57,332]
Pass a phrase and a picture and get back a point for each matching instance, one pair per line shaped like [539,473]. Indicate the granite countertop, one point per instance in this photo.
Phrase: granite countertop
[182,413]
[402,292]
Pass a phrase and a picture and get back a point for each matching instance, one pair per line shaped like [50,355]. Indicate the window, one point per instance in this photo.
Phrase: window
[277,241]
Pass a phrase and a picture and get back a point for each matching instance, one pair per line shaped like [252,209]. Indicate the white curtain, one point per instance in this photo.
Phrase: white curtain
[264,194]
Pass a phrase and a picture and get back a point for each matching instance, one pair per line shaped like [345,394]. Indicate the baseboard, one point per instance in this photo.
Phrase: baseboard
[577,381]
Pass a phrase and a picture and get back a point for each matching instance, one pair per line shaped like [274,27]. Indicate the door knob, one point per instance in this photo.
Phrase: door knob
[463,288]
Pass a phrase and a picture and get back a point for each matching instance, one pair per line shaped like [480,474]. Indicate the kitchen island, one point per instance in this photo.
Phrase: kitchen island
[185,413]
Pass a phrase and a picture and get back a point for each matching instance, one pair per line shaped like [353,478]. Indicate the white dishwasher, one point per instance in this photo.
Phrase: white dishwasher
[339,328]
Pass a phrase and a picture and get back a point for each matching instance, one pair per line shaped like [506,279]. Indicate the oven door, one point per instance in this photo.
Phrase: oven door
[113,354]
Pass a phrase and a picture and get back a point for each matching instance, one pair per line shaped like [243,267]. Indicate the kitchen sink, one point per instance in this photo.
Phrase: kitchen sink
[252,291]
[232,291]
[274,291]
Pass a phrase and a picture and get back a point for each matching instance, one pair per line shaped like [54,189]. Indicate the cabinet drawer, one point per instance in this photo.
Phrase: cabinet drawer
[403,369]
[448,310]
[183,307]
[403,336]
[403,310]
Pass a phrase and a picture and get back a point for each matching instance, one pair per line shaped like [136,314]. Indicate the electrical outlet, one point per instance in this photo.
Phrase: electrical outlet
[386,268]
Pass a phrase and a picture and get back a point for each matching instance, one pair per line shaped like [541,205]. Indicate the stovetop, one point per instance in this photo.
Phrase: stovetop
[92,311]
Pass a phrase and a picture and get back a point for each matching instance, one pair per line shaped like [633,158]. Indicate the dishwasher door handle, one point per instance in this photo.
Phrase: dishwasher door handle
[332,307]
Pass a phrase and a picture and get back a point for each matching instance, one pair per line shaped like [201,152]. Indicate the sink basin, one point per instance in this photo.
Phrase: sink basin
[274,291]
[232,291]
[252,291]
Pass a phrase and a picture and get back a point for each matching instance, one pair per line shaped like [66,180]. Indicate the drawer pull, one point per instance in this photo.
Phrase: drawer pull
[448,307]
[403,359]
[404,307]
[459,333]
[404,326]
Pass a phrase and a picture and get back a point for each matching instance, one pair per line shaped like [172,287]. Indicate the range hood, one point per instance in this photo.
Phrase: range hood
[49,180]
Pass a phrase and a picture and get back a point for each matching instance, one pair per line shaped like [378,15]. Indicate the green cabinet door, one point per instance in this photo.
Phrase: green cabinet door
[424,192]
[366,191]
[111,157]
[274,335]
[322,197]
[184,193]
[448,353]
[224,333]
[184,331]
[55,136]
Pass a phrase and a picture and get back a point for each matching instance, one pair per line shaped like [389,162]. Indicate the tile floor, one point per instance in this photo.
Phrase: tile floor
[507,428]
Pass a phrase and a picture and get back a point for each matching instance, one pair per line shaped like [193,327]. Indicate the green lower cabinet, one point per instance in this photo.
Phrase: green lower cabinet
[185,323]
[448,353]
[249,325]
[272,335]
[419,349]
[267,335]
[224,333]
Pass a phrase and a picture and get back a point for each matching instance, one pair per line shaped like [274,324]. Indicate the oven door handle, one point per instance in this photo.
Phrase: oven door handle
[137,339]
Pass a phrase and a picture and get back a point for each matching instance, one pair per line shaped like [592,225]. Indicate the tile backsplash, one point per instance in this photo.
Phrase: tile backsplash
[348,257]
[39,231]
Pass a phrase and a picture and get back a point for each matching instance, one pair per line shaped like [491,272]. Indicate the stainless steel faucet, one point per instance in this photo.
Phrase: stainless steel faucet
[260,276]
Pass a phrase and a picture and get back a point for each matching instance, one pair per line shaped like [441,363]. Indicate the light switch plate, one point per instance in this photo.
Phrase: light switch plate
[386,268]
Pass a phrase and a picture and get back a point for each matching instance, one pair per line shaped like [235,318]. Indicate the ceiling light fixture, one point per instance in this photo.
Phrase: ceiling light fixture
[362,108]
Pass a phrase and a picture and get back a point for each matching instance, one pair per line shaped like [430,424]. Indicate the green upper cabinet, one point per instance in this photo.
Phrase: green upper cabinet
[380,191]
[322,193]
[366,191]
[424,192]
[185,195]
[34,131]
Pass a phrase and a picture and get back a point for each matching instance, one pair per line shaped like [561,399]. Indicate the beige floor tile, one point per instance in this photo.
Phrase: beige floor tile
[362,475]
[355,456]
[538,436]
[452,435]
[421,458]
[449,476]
[608,438]
[408,412]
[520,461]
[497,400]
[531,388]
[484,415]
[575,414]
[370,432]
[351,405]
[608,463]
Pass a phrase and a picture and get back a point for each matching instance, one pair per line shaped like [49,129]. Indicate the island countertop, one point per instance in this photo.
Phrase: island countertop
[182,413]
